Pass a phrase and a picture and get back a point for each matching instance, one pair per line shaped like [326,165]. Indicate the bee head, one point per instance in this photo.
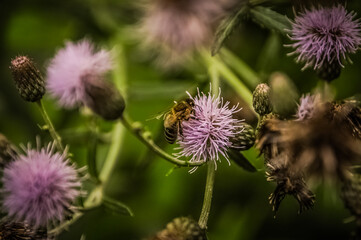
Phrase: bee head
[190,102]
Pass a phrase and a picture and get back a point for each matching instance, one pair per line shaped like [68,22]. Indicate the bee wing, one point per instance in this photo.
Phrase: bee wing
[158,116]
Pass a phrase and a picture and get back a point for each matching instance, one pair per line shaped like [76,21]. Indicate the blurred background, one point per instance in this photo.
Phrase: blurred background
[240,208]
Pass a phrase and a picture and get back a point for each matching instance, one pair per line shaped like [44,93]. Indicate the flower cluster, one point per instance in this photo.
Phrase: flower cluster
[322,141]
[40,186]
[207,134]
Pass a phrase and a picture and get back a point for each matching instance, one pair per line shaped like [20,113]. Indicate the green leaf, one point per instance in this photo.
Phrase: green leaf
[241,160]
[270,19]
[226,27]
[114,206]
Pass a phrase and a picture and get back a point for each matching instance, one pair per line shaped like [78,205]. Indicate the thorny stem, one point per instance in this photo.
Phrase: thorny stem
[208,192]
[144,136]
[50,125]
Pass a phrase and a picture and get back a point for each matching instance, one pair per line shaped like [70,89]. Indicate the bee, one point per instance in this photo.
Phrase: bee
[181,111]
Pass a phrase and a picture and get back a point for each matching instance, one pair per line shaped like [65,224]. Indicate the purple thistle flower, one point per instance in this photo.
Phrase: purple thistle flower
[72,67]
[308,106]
[40,186]
[207,134]
[179,27]
[324,35]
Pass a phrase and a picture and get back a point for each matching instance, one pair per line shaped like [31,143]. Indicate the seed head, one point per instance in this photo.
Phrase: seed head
[28,79]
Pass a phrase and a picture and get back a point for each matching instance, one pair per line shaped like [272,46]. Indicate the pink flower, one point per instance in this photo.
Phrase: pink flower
[40,186]
[177,27]
[72,67]
[207,134]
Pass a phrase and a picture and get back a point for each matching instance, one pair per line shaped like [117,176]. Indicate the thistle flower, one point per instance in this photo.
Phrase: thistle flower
[182,228]
[324,37]
[178,27]
[307,106]
[76,76]
[40,186]
[207,134]
[28,79]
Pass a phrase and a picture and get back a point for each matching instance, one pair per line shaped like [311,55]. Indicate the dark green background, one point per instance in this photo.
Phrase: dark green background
[240,207]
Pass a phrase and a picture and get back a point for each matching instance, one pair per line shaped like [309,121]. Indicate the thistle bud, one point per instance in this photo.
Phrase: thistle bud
[103,98]
[15,231]
[244,138]
[7,151]
[182,228]
[329,71]
[261,99]
[28,79]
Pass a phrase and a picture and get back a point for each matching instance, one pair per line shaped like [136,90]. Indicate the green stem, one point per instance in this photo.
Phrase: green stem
[113,153]
[229,76]
[50,125]
[208,192]
[144,136]
[240,67]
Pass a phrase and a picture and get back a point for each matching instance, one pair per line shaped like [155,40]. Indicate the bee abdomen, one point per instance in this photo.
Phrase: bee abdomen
[170,135]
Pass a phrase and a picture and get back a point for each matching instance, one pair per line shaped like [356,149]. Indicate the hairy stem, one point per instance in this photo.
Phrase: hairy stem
[208,192]
[144,136]
[50,125]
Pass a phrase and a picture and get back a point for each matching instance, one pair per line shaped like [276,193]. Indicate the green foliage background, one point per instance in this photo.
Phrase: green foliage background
[240,207]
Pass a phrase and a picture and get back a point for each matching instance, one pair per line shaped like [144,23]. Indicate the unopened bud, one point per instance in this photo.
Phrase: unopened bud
[103,98]
[182,228]
[28,79]
[244,138]
[262,99]
[14,230]
[329,71]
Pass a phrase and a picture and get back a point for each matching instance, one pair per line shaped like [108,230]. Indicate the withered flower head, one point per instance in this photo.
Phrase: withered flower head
[322,145]
[289,182]
[182,228]
[351,194]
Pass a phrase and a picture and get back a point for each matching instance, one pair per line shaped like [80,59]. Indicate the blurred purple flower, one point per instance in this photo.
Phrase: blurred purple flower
[72,67]
[308,106]
[177,27]
[40,186]
[207,134]
[325,34]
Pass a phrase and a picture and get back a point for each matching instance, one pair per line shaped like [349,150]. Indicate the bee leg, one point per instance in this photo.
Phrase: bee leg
[193,113]
[180,129]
